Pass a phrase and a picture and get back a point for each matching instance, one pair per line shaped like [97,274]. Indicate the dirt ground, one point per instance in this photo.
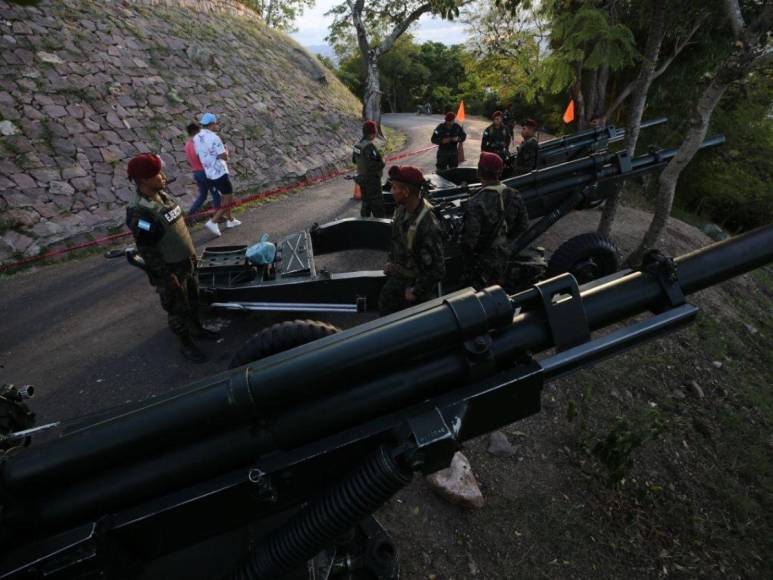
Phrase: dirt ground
[654,464]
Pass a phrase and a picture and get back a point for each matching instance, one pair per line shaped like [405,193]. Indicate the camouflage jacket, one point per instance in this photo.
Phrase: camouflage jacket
[369,162]
[496,140]
[494,216]
[416,248]
[526,160]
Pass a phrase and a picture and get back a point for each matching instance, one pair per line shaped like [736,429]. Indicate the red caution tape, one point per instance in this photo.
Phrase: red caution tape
[254,197]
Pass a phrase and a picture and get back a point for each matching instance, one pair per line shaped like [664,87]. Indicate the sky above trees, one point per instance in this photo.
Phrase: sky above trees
[313,27]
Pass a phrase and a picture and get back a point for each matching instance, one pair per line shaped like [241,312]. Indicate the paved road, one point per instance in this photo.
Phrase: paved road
[90,334]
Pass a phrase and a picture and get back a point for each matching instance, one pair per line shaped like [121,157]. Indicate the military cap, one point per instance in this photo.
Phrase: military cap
[144,166]
[406,174]
[369,128]
[490,162]
[530,123]
[450,116]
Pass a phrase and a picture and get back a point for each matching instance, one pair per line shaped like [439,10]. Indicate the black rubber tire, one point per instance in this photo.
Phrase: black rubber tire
[587,257]
[279,338]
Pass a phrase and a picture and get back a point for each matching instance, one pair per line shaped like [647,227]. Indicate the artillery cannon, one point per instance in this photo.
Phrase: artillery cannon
[273,470]
[294,283]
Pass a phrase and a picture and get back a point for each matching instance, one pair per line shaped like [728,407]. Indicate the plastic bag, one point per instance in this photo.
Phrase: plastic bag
[262,253]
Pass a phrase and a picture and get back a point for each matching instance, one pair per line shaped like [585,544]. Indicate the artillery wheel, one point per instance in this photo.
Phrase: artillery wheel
[279,338]
[587,257]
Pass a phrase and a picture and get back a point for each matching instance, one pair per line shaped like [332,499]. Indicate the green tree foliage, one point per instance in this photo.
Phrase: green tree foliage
[733,186]
[585,39]
[411,74]
[279,14]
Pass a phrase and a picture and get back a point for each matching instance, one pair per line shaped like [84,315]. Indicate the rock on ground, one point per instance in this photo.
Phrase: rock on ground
[499,445]
[457,483]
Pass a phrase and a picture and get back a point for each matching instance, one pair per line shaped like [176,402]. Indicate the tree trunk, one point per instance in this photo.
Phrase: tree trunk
[639,99]
[668,179]
[371,102]
[579,98]
[750,46]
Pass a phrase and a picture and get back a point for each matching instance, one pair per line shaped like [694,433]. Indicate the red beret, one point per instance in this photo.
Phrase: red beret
[369,127]
[530,123]
[450,116]
[491,162]
[144,166]
[406,174]
[496,114]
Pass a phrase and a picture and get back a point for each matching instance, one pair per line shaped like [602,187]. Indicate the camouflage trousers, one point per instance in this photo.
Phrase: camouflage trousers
[392,297]
[181,304]
[486,270]
[372,199]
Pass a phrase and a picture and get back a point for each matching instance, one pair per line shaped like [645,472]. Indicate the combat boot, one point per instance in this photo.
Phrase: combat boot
[192,352]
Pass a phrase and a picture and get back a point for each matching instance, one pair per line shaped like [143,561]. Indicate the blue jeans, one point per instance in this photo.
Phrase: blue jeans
[205,186]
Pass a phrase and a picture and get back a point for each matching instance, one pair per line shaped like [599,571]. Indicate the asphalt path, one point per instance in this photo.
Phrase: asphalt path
[90,334]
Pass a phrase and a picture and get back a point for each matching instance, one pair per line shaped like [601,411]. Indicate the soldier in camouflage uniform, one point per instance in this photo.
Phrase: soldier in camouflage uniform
[494,217]
[528,151]
[163,241]
[370,166]
[416,263]
[496,137]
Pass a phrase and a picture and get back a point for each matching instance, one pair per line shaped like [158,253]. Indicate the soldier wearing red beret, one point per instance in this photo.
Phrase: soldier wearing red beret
[496,137]
[162,238]
[447,137]
[528,151]
[370,166]
[494,217]
[416,263]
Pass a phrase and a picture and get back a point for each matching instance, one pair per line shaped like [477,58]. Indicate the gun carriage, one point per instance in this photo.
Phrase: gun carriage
[273,470]
[294,282]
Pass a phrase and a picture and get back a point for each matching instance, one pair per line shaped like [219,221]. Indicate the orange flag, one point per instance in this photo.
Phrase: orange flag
[569,113]
[460,113]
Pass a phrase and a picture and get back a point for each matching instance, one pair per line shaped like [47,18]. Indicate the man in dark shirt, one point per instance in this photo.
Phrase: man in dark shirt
[496,137]
[370,166]
[528,150]
[447,137]
[158,226]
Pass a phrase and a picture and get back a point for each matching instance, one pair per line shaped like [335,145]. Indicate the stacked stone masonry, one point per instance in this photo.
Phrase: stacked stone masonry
[86,84]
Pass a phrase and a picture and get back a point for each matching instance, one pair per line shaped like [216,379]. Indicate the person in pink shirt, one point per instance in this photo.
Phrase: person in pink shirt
[199,175]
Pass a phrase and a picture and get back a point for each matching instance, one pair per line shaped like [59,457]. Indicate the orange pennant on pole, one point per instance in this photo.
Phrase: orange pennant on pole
[460,113]
[569,113]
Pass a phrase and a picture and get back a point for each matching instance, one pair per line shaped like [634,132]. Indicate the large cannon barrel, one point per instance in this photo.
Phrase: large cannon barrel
[543,190]
[345,399]
[610,133]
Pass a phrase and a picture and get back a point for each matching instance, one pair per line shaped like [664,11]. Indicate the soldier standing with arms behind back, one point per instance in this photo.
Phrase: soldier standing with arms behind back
[157,224]
[447,137]
[416,263]
[528,150]
[370,166]
[493,218]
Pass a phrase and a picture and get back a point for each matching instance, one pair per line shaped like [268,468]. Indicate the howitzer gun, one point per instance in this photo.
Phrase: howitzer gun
[582,143]
[295,283]
[273,470]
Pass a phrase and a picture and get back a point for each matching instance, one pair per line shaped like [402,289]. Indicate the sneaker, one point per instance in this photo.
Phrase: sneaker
[212,227]
[232,223]
[192,352]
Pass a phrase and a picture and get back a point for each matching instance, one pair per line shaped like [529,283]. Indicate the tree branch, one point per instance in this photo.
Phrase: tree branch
[736,18]
[401,27]
[678,47]
[356,7]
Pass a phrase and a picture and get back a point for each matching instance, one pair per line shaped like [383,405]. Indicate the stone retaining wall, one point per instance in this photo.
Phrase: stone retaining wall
[86,84]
